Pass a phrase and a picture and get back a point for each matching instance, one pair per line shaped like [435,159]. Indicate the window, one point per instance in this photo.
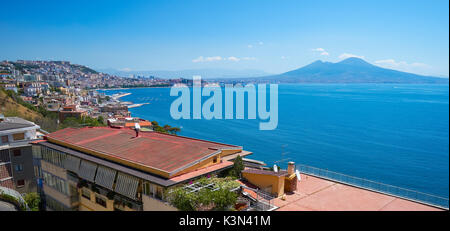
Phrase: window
[5,139]
[55,205]
[100,200]
[17,152]
[18,167]
[19,136]
[37,172]
[215,159]
[53,156]
[20,183]
[55,182]
[149,189]
[86,193]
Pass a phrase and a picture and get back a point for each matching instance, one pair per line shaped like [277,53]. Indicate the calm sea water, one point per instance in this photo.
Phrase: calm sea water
[394,134]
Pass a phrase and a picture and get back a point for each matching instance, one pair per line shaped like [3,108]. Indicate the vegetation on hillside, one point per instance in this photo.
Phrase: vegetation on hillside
[12,105]
[73,122]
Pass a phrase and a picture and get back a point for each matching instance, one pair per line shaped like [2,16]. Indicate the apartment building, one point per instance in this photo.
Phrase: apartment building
[32,89]
[107,169]
[16,160]
[71,111]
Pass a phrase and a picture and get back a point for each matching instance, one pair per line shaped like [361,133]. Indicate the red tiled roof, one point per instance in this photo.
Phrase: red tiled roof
[158,151]
[252,193]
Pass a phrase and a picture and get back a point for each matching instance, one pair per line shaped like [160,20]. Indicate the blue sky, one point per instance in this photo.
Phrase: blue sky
[274,36]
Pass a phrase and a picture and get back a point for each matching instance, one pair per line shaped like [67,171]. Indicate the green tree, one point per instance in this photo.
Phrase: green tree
[167,129]
[238,166]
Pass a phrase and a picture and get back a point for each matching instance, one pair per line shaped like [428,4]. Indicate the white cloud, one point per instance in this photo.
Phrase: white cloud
[261,43]
[283,57]
[125,69]
[250,46]
[318,49]
[415,67]
[386,61]
[393,63]
[347,55]
[235,59]
[202,59]
[321,51]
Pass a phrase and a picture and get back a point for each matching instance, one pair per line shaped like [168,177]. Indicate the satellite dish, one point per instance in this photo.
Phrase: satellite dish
[275,168]
[297,173]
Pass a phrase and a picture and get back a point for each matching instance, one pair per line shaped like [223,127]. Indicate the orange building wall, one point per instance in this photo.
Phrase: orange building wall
[264,181]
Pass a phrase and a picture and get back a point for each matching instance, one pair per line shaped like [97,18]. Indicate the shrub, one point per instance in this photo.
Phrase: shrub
[205,199]
[33,200]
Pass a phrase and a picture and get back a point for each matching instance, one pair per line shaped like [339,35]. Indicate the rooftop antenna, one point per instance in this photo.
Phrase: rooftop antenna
[297,173]
[283,154]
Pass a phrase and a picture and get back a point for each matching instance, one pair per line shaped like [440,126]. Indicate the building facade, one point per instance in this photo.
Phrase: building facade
[16,160]
[117,169]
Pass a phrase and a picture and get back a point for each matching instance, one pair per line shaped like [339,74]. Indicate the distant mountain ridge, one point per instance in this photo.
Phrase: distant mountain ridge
[351,70]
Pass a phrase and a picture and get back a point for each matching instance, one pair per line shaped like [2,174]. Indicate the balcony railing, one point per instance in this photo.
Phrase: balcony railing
[17,143]
[412,195]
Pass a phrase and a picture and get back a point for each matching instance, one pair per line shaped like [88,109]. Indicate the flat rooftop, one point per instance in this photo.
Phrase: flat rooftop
[10,123]
[166,153]
[316,194]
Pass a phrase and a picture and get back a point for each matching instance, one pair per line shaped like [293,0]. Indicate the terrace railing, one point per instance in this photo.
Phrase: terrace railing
[395,191]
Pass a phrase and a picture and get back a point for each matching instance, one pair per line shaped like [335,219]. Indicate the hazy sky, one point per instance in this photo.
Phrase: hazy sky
[274,36]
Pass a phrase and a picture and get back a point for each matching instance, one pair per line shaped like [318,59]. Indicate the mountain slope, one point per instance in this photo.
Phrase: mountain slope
[351,70]
[11,108]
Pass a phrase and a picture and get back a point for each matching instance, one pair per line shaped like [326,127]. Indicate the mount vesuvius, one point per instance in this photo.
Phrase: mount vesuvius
[351,70]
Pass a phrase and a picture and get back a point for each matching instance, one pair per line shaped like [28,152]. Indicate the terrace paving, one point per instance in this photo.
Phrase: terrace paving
[316,194]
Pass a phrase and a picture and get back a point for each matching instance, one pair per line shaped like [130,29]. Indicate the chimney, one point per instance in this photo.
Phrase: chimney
[291,168]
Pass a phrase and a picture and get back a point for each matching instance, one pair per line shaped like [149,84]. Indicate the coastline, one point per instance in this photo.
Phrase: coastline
[125,88]
[116,97]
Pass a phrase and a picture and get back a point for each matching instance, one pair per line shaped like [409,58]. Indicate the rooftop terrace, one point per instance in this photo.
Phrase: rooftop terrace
[317,194]
[165,153]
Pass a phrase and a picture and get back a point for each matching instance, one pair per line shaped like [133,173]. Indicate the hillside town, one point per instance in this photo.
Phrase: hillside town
[70,90]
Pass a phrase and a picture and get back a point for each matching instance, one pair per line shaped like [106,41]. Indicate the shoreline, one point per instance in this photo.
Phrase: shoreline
[130,105]
[121,88]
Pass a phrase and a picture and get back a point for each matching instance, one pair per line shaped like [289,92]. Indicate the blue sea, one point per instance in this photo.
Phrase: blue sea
[394,134]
